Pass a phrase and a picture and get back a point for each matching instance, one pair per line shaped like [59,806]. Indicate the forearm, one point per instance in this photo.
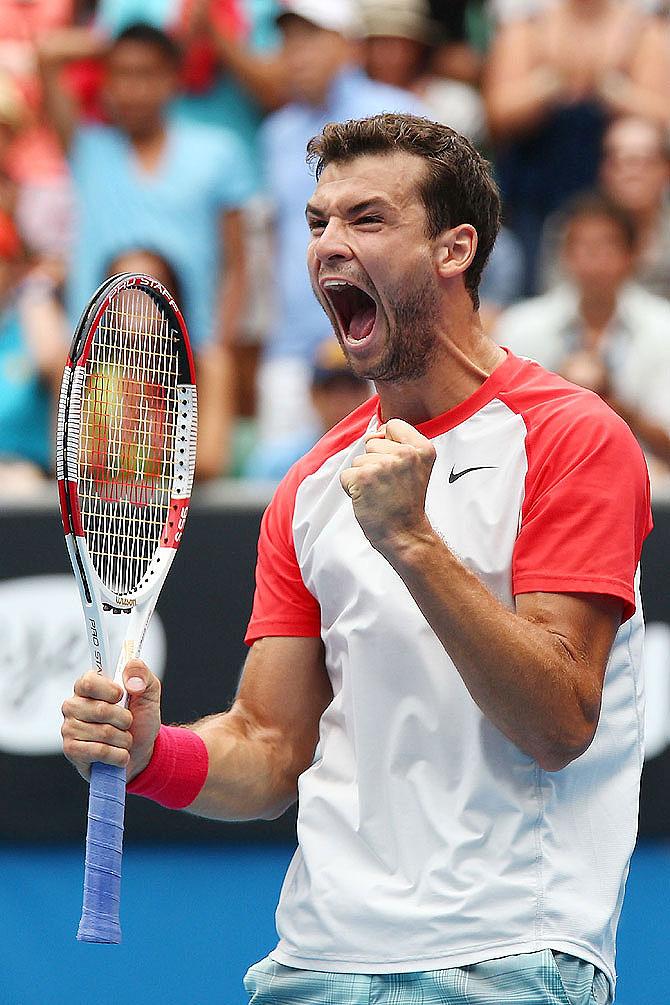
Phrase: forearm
[625,97]
[250,773]
[61,110]
[216,382]
[526,679]
[513,108]
[262,76]
[55,50]
[232,301]
[44,325]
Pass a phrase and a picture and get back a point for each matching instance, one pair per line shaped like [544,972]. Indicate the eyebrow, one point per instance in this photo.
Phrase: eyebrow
[377,201]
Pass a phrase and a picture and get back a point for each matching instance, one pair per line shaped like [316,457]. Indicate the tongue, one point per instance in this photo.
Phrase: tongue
[362,323]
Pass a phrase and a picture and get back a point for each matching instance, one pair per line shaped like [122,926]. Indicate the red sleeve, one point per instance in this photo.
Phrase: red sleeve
[586,509]
[282,603]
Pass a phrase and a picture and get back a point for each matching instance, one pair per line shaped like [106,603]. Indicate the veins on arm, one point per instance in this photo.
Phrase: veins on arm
[259,748]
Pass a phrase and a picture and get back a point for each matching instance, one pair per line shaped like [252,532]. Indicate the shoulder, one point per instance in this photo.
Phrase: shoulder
[539,395]
[585,508]
[568,426]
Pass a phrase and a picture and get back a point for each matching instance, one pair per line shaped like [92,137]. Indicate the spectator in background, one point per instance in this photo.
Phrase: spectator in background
[232,74]
[400,39]
[44,200]
[326,84]
[335,392]
[634,174]
[553,81]
[13,117]
[465,28]
[502,278]
[513,10]
[148,181]
[33,347]
[214,369]
[599,328]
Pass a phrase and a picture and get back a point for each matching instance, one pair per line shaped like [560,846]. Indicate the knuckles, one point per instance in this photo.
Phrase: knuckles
[95,710]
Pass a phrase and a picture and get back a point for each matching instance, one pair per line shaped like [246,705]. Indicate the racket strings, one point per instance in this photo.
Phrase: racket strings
[129,419]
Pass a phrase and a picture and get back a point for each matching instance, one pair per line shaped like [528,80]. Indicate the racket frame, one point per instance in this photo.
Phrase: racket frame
[101,924]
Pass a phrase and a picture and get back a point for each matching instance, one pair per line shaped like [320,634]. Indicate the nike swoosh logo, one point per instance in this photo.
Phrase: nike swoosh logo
[455,475]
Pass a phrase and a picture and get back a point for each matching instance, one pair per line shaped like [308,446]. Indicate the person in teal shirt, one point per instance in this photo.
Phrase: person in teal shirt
[148,180]
[33,348]
[225,102]
[24,398]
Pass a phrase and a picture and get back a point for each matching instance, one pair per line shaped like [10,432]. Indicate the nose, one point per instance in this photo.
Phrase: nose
[331,245]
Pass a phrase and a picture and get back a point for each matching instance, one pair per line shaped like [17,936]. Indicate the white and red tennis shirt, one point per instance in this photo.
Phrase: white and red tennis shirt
[426,838]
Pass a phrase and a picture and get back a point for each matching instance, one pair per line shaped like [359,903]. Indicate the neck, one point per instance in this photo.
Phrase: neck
[149,134]
[457,371]
[319,97]
[598,310]
[588,8]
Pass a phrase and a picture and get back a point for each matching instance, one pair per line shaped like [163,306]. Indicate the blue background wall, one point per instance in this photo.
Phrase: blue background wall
[195,918]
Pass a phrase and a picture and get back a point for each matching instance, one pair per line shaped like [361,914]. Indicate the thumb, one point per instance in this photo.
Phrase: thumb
[139,681]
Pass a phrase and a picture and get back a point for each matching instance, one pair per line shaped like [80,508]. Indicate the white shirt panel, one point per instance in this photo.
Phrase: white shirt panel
[409,775]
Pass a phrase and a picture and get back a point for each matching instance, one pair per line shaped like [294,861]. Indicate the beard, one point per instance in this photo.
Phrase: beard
[412,332]
[412,337]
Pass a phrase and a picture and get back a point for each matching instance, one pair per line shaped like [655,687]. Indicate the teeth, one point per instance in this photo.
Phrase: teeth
[335,282]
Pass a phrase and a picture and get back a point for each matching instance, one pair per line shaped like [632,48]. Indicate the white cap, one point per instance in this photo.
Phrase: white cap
[333,15]
[399,19]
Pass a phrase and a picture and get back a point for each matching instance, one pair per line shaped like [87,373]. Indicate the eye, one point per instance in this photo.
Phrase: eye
[365,220]
[316,226]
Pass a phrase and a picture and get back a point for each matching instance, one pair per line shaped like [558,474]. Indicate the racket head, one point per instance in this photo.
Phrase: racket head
[127,423]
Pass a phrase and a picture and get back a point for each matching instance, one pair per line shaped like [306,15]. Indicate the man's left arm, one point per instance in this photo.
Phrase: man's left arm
[537,671]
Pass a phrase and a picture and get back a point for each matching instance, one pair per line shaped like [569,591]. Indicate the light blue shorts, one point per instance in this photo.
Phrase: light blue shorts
[542,978]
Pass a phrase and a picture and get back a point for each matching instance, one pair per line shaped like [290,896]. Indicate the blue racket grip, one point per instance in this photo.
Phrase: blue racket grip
[104,843]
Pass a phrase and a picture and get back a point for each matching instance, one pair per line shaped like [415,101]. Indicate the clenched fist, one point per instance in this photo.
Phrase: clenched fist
[97,728]
[388,484]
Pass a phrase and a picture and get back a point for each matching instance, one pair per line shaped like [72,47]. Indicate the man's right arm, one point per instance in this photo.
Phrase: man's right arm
[256,750]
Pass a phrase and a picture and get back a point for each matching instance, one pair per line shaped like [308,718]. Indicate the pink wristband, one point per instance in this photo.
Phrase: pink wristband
[177,770]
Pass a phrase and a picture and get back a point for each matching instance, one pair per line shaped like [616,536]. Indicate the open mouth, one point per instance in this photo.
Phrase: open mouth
[354,309]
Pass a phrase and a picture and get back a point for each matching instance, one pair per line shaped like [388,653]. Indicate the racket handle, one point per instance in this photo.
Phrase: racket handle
[104,842]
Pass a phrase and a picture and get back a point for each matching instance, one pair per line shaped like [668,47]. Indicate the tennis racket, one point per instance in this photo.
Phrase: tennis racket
[127,420]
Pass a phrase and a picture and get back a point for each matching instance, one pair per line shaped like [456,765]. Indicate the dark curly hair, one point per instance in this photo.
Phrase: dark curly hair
[457,186]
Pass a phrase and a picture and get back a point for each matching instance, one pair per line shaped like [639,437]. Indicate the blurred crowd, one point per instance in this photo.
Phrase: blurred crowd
[168,136]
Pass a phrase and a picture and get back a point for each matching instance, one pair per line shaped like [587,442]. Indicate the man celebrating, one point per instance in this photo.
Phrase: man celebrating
[429,646]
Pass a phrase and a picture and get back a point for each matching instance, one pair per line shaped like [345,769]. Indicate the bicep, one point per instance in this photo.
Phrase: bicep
[284,690]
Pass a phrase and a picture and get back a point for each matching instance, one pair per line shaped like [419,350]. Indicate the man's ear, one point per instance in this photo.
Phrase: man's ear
[455,250]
